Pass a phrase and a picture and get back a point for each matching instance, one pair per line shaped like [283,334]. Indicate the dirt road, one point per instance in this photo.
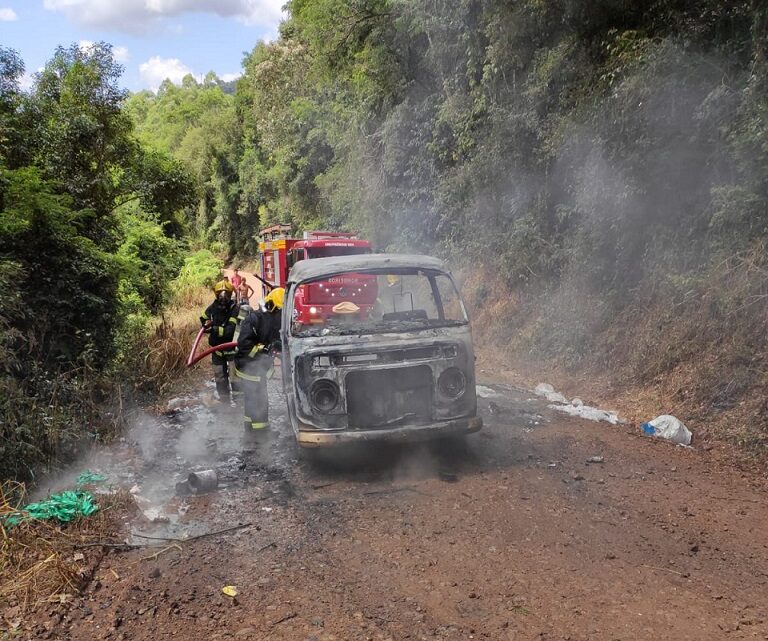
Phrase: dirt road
[516,537]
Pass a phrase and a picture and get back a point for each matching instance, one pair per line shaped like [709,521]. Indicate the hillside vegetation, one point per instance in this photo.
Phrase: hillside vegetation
[92,231]
[597,170]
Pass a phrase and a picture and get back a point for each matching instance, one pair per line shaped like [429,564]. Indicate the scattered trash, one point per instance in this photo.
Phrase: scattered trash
[576,407]
[596,459]
[266,509]
[155,515]
[587,412]
[64,507]
[668,427]
[230,590]
[486,392]
[181,403]
[547,391]
[89,478]
[201,482]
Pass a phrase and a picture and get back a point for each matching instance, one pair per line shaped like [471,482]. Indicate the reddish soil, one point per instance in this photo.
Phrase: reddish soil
[516,537]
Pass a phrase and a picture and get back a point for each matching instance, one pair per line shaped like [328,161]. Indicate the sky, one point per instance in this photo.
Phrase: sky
[152,39]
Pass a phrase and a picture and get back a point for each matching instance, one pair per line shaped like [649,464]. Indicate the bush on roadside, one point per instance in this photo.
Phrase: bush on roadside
[201,270]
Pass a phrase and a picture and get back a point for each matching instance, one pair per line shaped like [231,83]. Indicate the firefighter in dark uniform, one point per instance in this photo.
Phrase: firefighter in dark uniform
[221,319]
[259,339]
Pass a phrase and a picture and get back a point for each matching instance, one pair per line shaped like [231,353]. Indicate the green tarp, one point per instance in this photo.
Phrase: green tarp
[63,507]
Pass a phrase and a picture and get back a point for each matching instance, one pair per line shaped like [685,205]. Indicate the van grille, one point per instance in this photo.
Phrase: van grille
[389,397]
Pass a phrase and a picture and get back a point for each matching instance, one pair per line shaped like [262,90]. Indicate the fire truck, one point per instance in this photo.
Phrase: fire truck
[315,302]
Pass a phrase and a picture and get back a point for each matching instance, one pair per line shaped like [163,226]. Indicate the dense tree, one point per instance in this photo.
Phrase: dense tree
[86,219]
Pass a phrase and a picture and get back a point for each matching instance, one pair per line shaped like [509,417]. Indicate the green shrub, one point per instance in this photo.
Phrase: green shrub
[201,270]
[150,259]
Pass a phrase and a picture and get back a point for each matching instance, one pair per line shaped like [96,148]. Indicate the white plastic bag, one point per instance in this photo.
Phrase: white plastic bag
[671,428]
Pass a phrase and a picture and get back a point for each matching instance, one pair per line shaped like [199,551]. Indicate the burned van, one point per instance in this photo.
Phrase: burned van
[384,353]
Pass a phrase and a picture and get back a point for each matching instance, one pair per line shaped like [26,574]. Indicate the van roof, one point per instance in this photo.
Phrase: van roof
[313,268]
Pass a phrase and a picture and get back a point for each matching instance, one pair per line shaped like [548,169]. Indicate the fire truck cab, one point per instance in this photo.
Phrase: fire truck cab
[315,302]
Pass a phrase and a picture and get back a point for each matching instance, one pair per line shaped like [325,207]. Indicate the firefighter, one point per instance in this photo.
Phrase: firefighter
[259,339]
[221,320]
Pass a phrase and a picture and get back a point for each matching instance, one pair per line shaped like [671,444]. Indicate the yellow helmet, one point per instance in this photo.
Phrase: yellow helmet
[223,285]
[275,299]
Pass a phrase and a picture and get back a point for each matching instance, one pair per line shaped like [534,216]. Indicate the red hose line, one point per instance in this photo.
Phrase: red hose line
[222,347]
[191,360]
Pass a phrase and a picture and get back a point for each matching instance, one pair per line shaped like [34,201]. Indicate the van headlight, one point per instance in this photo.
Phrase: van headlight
[452,382]
[324,395]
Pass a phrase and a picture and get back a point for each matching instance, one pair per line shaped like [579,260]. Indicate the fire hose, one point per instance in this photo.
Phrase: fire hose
[193,358]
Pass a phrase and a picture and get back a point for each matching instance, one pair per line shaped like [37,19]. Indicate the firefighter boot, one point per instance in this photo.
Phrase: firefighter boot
[222,381]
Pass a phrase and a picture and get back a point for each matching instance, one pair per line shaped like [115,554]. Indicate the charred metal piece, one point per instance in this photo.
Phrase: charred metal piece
[202,482]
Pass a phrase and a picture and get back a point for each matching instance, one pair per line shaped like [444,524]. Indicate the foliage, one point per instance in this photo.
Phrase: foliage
[150,259]
[598,158]
[196,124]
[201,269]
[87,254]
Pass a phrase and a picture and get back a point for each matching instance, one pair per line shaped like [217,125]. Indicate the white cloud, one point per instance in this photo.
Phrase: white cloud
[26,81]
[141,15]
[120,54]
[229,77]
[157,69]
[8,15]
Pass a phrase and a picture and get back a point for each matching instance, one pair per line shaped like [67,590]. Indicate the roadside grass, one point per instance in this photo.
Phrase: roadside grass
[695,347]
[44,562]
[51,418]
[163,358]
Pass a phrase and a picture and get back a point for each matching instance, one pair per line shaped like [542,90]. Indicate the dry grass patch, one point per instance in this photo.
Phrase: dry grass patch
[47,562]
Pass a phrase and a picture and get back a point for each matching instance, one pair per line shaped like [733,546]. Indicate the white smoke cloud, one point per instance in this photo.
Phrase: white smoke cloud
[157,69]
[141,15]
[8,15]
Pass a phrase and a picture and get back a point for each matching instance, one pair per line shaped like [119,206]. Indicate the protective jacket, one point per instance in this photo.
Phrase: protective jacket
[223,317]
[259,328]
[259,338]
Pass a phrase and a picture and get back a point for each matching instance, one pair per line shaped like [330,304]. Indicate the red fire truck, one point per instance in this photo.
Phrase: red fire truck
[315,302]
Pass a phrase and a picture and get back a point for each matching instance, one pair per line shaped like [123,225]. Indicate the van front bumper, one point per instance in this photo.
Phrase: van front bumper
[309,437]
